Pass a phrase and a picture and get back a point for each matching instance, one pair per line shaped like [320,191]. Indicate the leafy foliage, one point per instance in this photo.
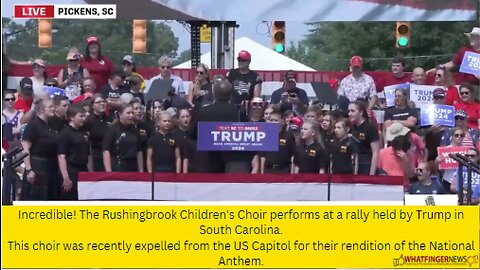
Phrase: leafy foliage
[329,46]
[115,38]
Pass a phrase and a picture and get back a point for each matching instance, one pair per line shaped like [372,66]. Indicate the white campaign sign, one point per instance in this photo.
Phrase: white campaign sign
[422,95]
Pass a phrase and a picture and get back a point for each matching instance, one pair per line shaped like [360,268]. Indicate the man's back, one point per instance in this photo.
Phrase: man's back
[219,112]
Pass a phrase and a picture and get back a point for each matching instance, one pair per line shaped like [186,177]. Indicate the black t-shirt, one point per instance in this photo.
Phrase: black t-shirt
[400,114]
[310,158]
[183,142]
[243,84]
[286,150]
[42,137]
[366,133]
[57,123]
[121,141]
[343,153]
[163,149]
[97,126]
[329,140]
[107,92]
[419,188]
[205,97]
[143,132]
[75,145]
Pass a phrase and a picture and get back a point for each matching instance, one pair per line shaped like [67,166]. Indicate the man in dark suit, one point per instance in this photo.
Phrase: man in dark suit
[224,111]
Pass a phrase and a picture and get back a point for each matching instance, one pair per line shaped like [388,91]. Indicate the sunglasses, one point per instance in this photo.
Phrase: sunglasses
[459,118]
[9,99]
[464,93]
[73,60]
[459,135]
[127,63]
[51,84]
[200,72]
[166,67]
[438,97]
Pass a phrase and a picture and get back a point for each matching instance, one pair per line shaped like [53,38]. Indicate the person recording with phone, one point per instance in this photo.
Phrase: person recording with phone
[290,96]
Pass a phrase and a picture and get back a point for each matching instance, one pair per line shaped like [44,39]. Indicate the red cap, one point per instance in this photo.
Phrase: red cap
[356,61]
[92,39]
[244,55]
[297,121]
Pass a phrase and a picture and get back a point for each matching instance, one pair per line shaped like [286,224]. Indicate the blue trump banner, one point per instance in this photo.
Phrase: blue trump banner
[475,179]
[54,91]
[435,114]
[234,136]
[390,92]
[471,63]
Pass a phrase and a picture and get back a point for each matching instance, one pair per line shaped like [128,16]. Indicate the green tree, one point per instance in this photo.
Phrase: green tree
[115,38]
[183,57]
[329,46]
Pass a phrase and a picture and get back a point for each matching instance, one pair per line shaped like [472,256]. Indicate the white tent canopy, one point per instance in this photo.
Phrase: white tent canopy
[263,58]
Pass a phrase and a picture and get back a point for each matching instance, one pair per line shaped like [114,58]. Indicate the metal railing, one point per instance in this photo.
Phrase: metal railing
[471,167]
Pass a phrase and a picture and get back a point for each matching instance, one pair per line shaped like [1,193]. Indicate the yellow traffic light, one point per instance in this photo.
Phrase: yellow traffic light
[403,33]
[44,33]
[139,37]
[278,36]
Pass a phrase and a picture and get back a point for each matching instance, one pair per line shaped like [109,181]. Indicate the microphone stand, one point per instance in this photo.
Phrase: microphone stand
[462,161]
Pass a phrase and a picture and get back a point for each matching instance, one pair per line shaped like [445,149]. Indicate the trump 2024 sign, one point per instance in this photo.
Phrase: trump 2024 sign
[234,136]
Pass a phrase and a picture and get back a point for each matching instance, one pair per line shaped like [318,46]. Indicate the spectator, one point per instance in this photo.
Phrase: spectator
[39,76]
[25,96]
[473,46]
[328,130]
[444,78]
[41,165]
[73,153]
[144,131]
[256,110]
[52,82]
[200,90]
[314,113]
[279,161]
[59,119]
[366,133]
[290,94]
[458,140]
[130,69]
[73,74]
[469,105]
[166,64]
[175,101]
[396,160]
[97,124]
[135,83]
[471,134]
[163,151]
[246,83]
[88,89]
[417,150]
[310,155]
[401,113]
[425,184]
[223,111]
[398,75]
[433,134]
[99,66]
[358,85]
[114,89]
[472,154]
[418,76]
[152,111]
[266,114]
[11,119]
[344,154]
[121,146]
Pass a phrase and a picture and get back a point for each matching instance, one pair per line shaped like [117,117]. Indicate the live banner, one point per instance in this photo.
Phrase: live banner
[240,236]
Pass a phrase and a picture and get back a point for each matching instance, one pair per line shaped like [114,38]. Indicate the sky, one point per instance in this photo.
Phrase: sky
[257,31]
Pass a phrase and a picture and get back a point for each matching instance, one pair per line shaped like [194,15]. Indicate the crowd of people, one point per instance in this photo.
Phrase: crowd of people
[104,123]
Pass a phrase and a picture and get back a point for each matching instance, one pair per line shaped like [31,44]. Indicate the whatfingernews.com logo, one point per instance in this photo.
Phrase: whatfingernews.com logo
[435,260]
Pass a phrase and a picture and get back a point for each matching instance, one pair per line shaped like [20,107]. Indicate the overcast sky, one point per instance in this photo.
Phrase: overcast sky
[256,31]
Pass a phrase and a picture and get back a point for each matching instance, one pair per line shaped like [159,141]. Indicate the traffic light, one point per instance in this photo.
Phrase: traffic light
[44,33]
[139,37]
[278,36]
[403,30]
